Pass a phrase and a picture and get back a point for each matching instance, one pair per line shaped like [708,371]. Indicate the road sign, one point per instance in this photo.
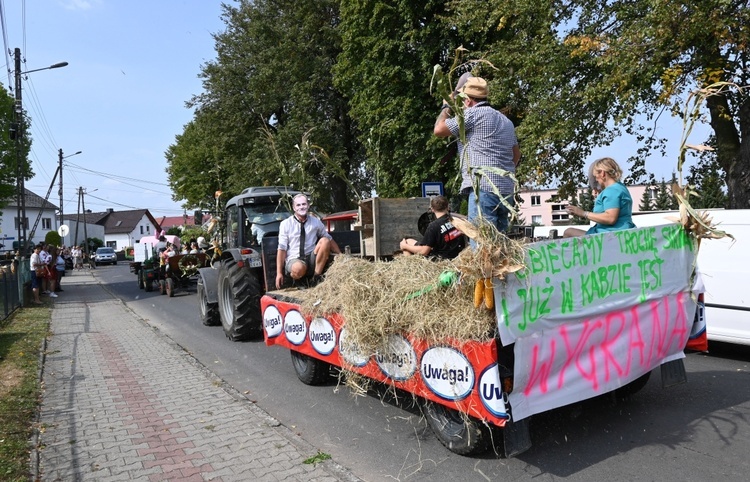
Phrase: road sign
[430,189]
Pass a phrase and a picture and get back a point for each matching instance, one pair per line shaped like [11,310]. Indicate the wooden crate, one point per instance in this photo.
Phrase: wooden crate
[383,223]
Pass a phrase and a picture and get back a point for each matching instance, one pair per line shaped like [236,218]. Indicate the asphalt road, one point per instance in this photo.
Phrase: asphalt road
[695,431]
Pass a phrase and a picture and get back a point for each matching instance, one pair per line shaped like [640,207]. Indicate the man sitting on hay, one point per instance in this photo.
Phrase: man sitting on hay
[307,243]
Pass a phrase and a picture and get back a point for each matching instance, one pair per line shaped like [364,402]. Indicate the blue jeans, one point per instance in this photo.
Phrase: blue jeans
[493,211]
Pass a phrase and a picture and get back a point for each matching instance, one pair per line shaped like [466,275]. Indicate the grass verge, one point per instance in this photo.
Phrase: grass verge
[21,337]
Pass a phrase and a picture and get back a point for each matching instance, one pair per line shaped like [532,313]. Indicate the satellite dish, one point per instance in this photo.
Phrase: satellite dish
[63,230]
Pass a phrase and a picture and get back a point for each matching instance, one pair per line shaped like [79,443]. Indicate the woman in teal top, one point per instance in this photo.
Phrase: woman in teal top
[613,208]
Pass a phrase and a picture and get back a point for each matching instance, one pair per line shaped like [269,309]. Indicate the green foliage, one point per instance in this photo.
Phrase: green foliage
[8,148]
[586,202]
[317,458]
[664,201]
[269,88]
[609,68]
[53,238]
[708,179]
[94,243]
[174,231]
[20,338]
[190,233]
[295,79]
[647,204]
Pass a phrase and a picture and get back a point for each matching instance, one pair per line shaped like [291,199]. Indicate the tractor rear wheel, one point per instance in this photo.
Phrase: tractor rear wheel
[170,287]
[239,301]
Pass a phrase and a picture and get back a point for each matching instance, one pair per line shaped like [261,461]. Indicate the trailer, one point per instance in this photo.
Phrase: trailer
[587,316]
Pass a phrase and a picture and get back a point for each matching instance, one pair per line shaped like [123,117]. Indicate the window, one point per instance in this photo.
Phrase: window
[148,230]
[560,217]
[558,207]
[536,220]
[26,222]
[141,229]
[112,244]
[536,200]
[46,223]
[652,194]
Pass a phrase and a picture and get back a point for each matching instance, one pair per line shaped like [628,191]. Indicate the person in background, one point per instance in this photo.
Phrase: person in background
[51,271]
[194,247]
[76,253]
[35,262]
[441,239]
[613,207]
[59,270]
[303,242]
[490,143]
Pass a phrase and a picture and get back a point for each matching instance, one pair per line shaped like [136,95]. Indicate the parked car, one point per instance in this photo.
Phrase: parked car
[725,267]
[105,255]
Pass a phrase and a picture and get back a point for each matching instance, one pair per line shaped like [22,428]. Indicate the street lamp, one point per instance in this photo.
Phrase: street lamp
[61,157]
[21,164]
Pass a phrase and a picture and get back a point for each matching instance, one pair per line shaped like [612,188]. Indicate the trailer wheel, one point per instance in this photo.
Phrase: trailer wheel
[148,284]
[459,433]
[141,284]
[310,371]
[633,387]
[209,311]
[170,287]
[162,287]
[239,301]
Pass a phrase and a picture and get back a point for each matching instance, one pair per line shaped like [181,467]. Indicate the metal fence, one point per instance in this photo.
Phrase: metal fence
[13,277]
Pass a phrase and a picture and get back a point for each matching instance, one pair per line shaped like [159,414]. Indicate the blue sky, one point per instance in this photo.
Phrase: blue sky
[121,100]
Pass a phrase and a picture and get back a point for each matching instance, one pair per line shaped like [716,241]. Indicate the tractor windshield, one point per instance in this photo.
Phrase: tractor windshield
[261,219]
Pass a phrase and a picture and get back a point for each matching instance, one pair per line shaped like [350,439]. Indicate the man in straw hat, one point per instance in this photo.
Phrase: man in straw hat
[490,142]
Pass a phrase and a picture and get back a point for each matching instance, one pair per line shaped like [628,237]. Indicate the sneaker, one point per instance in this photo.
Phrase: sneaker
[52,295]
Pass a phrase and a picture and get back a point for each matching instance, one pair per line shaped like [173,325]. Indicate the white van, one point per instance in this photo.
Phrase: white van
[725,267]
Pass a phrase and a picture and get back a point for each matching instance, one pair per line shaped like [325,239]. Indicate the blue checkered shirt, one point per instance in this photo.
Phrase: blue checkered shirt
[490,137]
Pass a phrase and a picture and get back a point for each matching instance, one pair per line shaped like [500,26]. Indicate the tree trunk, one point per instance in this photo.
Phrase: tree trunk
[732,152]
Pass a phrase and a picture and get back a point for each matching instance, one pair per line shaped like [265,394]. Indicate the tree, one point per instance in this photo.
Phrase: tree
[664,201]
[707,178]
[647,204]
[388,52]
[9,154]
[615,62]
[270,114]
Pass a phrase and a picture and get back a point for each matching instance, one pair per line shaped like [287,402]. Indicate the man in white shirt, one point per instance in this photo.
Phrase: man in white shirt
[303,242]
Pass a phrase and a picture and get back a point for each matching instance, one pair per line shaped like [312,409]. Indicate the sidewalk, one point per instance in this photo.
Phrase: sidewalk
[122,402]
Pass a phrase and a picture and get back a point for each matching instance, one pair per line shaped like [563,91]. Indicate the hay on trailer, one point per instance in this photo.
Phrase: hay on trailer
[378,299]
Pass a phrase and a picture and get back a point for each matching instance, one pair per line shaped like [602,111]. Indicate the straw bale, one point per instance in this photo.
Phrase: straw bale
[380,298]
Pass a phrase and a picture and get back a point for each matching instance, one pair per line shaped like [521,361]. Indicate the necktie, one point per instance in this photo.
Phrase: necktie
[301,238]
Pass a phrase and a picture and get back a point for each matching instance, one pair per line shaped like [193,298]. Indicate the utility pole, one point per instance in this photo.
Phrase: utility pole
[85,230]
[60,156]
[21,160]
[20,174]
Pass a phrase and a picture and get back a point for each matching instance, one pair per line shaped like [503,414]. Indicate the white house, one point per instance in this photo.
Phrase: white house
[37,209]
[121,228]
